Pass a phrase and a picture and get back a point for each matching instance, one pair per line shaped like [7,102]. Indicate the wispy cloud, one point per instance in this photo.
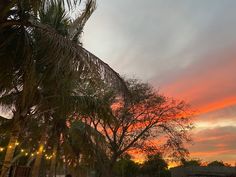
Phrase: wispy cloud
[186,48]
[208,83]
[217,145]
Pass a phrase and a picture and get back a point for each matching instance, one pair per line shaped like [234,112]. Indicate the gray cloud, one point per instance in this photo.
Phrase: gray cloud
[185,47]
[215,144]
[153,38]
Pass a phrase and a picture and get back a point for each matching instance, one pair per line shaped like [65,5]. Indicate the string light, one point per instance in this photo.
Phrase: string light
[47,156]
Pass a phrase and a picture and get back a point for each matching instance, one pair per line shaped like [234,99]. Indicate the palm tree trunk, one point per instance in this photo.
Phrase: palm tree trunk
[37,163]
[52,171]
[9,153]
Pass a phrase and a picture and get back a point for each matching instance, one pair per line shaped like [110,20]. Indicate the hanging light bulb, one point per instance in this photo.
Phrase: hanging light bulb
[1,149]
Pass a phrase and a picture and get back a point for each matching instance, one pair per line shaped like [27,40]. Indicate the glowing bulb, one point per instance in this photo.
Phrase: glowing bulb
[10,146]
[1,149]
[32,154]
[37,152]
[26,154]
[16,143]
[22,150]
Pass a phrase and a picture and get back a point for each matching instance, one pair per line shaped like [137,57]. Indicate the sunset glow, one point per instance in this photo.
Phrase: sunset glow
[126,88]
[186,49]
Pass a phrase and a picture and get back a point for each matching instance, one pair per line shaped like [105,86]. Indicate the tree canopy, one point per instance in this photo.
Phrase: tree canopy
[43,69]
[150,123]
[216,163]
[191,162]
[156,166]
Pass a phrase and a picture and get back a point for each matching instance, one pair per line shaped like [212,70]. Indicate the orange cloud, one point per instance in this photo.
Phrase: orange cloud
[211,153]
[208,84]
[215,144]
[220,104]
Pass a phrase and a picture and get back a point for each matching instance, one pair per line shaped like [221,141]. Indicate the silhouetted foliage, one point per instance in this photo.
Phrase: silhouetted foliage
[216,164]
[125,167]
[43,66]
[191,162]
[149,116]
[155,166]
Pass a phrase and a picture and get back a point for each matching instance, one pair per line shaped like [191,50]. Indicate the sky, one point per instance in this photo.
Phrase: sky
[186,49]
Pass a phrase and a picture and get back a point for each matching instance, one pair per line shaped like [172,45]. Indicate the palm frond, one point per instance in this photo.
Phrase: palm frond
[63,50]
[76,27]
[8,101]
[85,137]
[55,15]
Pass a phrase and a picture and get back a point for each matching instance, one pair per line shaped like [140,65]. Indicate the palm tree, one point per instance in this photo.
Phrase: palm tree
[60,91]
[34,53]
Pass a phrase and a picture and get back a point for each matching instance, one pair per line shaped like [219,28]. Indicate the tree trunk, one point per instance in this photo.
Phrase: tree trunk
[38,159]
[106,170]
[52,171]
[9,153]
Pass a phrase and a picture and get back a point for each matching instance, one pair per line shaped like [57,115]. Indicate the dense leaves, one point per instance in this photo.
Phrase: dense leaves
[151,123]
[44,73]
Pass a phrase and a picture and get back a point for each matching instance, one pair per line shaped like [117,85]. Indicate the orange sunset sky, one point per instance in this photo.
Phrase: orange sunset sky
[186,49]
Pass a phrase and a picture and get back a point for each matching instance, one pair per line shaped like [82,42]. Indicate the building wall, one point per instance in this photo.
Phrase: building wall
[203,171]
